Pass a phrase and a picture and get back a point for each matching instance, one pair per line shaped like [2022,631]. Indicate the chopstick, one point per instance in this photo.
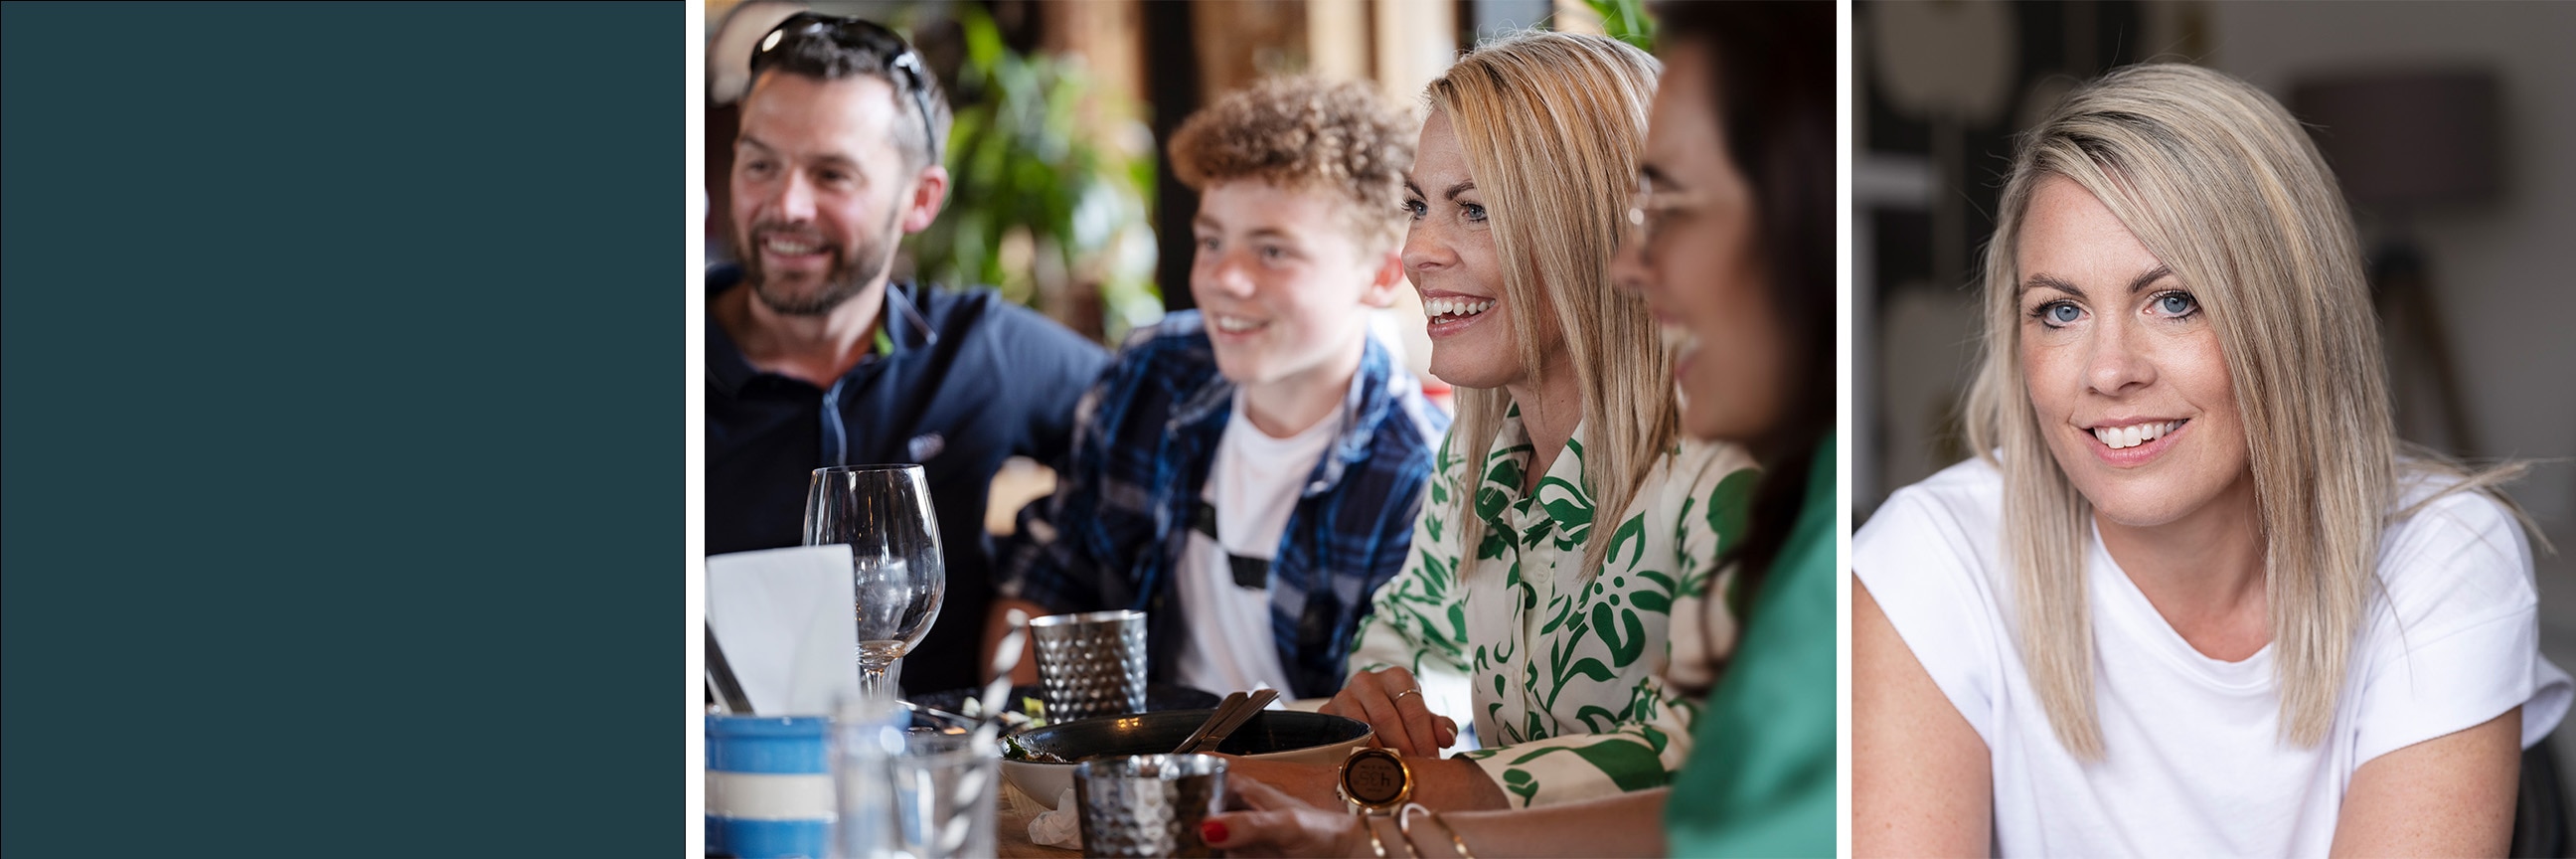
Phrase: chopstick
[1223,724]
[721,684]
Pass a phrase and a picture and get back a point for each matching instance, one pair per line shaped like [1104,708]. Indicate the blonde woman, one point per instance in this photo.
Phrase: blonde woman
[1731,243]
[2191,601]
[1567,521]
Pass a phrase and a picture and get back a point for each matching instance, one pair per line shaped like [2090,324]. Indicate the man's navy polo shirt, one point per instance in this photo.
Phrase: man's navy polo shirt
[970,380]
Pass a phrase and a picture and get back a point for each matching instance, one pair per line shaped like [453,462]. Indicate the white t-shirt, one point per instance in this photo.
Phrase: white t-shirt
[2193,764]
[1254,484]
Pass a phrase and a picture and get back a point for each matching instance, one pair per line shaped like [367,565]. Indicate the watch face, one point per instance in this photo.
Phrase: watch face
[1375,778]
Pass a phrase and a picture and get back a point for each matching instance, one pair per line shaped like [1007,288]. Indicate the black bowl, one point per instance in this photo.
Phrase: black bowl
[1158,697]
[1282,735]
[1156,733]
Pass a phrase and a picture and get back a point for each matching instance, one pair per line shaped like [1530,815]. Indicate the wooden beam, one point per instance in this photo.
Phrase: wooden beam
[1337,39]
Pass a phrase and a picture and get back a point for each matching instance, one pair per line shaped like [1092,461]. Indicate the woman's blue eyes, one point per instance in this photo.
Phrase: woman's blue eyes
[2171,305]
[1417,210]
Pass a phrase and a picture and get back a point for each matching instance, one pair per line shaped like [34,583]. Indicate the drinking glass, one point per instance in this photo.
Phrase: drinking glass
[927,791]
[897,574]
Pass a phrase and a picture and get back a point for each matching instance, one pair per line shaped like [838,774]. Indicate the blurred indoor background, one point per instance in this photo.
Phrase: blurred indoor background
[1063,107]
[2449,124]
[1059,194]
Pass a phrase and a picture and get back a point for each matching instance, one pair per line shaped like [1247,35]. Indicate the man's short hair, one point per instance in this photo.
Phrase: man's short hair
[825,48]
[1304,133]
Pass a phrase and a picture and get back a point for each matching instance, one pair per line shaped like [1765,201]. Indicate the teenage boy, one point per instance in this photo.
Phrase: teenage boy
[1248,473]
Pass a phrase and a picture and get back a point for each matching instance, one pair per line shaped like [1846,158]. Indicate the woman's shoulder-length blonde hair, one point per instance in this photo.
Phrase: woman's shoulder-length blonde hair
[1551,125]
[2224,187]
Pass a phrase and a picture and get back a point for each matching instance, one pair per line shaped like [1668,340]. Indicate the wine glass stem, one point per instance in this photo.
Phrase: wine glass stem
[878,676]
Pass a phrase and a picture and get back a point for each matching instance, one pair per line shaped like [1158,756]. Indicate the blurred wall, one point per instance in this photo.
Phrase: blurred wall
[2500,269]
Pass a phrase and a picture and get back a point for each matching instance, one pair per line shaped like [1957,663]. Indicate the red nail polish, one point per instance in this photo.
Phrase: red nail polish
[1212,831]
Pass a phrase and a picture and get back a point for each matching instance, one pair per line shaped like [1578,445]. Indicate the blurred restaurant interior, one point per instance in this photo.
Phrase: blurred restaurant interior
[1090,91]
[1061,189]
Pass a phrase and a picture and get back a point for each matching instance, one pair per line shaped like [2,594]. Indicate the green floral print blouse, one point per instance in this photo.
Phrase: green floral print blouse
[1568,672]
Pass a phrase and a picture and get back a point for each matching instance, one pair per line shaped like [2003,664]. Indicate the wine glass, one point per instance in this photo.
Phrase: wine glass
[897,574]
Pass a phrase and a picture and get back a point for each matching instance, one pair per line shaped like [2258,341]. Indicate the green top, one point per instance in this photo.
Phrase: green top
[1760,781]
[1566,666]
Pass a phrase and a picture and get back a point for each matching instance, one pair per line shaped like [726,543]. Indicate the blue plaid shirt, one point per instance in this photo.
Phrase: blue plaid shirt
[1144,438]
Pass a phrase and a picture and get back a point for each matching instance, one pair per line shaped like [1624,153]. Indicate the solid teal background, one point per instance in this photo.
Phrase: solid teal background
[343,429]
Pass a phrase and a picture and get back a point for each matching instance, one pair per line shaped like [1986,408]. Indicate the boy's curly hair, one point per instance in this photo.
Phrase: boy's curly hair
[1306,133]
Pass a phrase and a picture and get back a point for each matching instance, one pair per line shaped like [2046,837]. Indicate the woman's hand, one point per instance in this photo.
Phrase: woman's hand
[1267,822]
[1390,701]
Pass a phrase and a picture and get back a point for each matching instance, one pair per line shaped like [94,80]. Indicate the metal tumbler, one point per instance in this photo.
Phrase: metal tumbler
[1147,805]
[1091,664]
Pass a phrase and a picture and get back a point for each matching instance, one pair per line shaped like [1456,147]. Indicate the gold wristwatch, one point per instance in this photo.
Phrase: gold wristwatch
[1374,781]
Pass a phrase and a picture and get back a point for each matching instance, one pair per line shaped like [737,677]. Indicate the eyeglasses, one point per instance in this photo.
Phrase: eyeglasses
[864,36]
[1650,210]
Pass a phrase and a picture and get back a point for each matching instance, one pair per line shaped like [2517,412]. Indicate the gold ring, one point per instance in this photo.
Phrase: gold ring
[1414,691]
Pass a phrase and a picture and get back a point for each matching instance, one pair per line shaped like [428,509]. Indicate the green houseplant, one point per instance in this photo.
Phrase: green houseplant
[1625,20]
[1052,213]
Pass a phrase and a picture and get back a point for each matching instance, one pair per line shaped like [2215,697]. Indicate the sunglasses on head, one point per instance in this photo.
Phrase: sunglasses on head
[857,34]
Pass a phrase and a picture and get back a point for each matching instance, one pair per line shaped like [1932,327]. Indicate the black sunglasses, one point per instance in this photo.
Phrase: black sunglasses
[865,36]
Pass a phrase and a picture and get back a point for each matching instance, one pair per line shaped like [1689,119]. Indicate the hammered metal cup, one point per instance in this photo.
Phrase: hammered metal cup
[1147,805]
[1091,664]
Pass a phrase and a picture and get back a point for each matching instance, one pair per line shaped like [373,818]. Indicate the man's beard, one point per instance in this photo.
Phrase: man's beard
[853,267]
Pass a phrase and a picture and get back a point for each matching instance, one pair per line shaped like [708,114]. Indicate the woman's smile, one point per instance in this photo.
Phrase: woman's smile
[1453,312]
[2129,443]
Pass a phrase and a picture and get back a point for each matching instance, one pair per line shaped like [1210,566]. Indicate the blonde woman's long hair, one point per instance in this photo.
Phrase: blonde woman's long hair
[1551,125]
[2225,188]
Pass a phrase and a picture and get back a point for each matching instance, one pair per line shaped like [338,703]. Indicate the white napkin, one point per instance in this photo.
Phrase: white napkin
[783,619]
[1059,828]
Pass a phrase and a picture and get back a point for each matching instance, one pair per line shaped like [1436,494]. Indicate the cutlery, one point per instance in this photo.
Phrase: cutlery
[1249,708]
[1223,710]
[721,684]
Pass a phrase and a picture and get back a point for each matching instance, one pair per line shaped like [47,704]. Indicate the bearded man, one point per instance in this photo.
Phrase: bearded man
[814,359]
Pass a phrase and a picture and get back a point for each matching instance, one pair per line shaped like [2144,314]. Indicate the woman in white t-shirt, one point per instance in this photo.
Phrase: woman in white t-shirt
[2191,600]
